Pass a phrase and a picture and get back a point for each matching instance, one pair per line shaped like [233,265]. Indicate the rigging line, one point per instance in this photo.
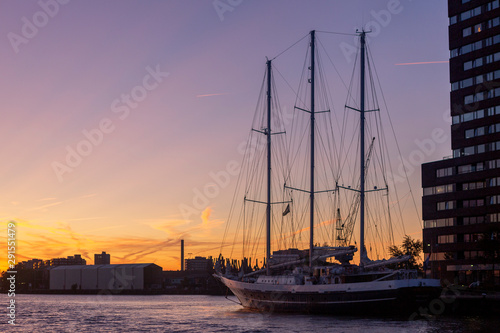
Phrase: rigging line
[346,115]
[288,48]
[399,151]
[238,182]
[333,65]
[337,33]
[287,83]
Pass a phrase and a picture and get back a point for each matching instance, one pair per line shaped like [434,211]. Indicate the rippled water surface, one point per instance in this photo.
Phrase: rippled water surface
[167,313]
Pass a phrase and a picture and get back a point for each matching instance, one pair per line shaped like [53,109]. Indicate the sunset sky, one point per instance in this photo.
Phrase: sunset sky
[116,115]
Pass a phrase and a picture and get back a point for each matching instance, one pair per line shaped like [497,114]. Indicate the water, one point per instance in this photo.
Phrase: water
[169,313]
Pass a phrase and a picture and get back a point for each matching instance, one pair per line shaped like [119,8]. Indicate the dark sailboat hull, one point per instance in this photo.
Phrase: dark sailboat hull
[373,298]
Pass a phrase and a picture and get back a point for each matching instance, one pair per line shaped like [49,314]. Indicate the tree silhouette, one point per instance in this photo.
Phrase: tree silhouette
[412,247]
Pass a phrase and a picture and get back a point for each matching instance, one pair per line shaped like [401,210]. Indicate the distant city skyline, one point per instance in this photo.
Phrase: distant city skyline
[122,120]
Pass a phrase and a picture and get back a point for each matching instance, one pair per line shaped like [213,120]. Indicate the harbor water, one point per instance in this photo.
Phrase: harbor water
[181,313]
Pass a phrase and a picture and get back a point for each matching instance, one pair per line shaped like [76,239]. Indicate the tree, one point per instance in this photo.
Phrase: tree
[412,247]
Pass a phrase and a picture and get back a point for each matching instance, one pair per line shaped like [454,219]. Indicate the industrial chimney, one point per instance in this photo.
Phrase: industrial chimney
[182,255]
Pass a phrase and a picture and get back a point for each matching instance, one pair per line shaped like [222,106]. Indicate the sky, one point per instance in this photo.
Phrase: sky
[120,118]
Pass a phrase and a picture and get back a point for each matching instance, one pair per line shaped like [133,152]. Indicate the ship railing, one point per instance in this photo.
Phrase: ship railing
[295,262]
[384,262]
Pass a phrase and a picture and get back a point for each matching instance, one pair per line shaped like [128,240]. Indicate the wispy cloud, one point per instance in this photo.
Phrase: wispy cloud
[47,205]
[422,63]
[47,199]
[38,240]
[210,95]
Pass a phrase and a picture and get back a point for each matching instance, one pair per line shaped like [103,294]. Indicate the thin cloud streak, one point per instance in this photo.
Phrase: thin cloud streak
[210,95]
[422,63]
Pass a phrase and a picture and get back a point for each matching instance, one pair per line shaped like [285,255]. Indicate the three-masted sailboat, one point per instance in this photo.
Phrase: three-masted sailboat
[310,280]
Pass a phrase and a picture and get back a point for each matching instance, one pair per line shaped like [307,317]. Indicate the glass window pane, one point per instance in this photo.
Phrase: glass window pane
[469,151]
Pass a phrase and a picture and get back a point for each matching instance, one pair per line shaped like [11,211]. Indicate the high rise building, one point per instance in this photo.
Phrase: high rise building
[102,259]
[461,193]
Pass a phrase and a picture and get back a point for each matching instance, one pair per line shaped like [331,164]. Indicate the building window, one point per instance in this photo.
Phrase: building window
[472,238]
[471,116]
[446,205]
[494,200]
[474,46]
[472,203]
[472,150]
[473,132]
[467,32]
[473,254]
[493,164]
[469,151]
[494,217]
[437,256]
[494,182]
[439,189]
[472,186]
[444,172]
[473,220]
[494,22]
[446,239]
[449,222]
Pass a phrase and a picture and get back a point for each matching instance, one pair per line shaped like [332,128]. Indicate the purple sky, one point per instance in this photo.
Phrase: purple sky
[71,72]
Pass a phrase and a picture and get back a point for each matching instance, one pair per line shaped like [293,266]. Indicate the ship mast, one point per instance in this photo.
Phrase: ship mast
[268,202]
[311,225]
[362,153]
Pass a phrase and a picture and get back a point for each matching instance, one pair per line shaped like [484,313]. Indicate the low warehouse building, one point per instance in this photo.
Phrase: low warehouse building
[119,277]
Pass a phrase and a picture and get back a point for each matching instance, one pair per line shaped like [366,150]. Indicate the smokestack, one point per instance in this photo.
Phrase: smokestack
[182,255]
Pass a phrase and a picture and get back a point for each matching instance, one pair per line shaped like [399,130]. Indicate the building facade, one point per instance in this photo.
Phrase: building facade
[102,259]
[69,260]
[200,264]
[115,278]
[461,193]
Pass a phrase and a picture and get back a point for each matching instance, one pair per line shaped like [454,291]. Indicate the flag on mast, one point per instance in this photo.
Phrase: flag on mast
[287,210]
